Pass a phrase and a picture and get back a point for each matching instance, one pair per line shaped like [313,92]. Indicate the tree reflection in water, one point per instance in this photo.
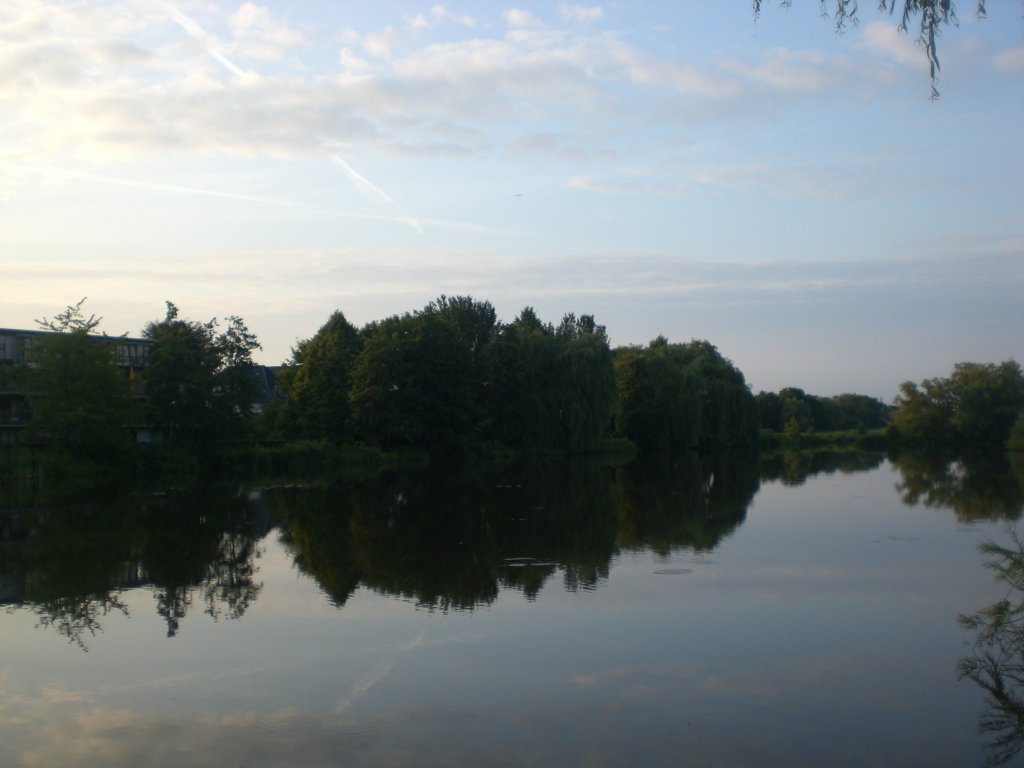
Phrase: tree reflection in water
[71,565]
[793,468]
[975,486]
[997,661]
[452,541]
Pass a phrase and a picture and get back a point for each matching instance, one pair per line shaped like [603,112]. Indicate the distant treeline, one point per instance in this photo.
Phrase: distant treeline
[451,375]
[451,378]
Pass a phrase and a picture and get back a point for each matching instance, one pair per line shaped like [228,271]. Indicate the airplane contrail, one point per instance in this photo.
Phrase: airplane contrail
[361,183]
[198,33]
[156,185]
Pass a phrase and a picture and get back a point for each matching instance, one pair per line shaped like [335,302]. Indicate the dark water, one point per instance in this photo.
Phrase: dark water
[801,611]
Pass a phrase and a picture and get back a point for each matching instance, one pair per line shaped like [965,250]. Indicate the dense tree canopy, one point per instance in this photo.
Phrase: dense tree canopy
[683,396]
[977,405]
[411,383]
[317,381]
[793,410]
[199,383]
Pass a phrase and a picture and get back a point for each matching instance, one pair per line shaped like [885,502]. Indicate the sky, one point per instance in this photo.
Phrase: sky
[790,194]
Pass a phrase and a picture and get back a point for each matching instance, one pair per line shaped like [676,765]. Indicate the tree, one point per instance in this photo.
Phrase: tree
[521,397]
[587,383]
[318,380]
[411,384]
[678,397]
[1016,441]
[977,405]
[80,400]
[198,383]
[931,16]
[476,324]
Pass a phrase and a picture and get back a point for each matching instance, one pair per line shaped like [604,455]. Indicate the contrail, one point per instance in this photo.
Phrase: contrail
[198,33]
[179,189]
[365,187]
[188,190]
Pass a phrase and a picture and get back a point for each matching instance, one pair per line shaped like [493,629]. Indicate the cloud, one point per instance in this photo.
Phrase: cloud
[1010,61]
[379,43]
[258,35]
[586,14]
[549,143]
[884,38]
[629,186]
[792,181]
[516,17]
[792,70]
[465,20]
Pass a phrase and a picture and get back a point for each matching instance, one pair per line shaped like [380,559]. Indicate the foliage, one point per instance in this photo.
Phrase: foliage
[976,486]
[1016,441]
[316,384]
[547,388]
[997,661]
[676,397]
[792,410]
[977,405]
[411,384]
[520,399]
[199,383]
[932,16]
[80,400]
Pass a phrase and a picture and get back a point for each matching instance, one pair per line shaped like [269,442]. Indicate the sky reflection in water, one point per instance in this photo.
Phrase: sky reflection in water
[714,613]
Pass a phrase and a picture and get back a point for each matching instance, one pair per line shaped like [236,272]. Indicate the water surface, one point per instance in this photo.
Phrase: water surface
[717,612]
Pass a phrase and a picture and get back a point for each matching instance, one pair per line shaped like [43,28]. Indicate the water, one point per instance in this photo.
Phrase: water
[701,614]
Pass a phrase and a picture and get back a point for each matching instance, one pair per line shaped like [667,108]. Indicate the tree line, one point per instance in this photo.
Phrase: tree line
[451,377]
[451,374]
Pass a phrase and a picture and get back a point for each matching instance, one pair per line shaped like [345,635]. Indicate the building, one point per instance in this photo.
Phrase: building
[130,355]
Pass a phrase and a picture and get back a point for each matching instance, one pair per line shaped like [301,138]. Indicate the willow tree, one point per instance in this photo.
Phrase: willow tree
[930,17]
[675,397]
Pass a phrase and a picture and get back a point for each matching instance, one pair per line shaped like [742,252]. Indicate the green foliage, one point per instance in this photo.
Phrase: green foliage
[996,662]
[975,485]
[316,385]
[1016,441]
[80,400]
[675,397]
[199,384]
[977,405]
[412,384]
[521,397]
[777,412]
[549,389]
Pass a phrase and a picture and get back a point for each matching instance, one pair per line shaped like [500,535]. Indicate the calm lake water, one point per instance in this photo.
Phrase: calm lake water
[708,613]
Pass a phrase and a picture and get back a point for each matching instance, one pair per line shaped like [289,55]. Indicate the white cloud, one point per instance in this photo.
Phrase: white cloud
[440,12]
[586,14]
[795,181]
[885,38]
[1011,60]
[259,35]
[516,17]
[379,43]
[790,70]
[351,63]
[625,186]
[644,69]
